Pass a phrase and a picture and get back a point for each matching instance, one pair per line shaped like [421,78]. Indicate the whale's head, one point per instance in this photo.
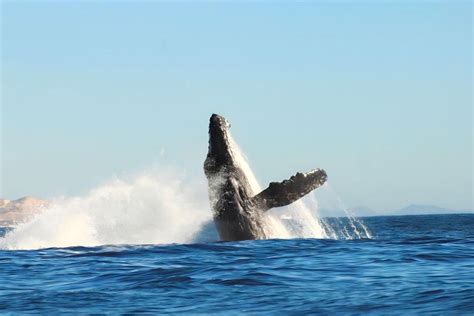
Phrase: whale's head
[219,156]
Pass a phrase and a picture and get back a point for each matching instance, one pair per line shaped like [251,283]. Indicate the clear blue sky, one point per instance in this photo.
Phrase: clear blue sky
[378,94]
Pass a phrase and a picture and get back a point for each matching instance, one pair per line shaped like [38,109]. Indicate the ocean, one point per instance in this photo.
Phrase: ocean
[411,265]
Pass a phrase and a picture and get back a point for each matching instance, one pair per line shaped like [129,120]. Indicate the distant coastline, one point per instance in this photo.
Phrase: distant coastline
[412,209]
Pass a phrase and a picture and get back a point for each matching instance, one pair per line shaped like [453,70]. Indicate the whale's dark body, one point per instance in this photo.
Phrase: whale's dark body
[238,213]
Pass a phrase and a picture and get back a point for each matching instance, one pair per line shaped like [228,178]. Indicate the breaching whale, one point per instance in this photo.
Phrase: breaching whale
[238,213]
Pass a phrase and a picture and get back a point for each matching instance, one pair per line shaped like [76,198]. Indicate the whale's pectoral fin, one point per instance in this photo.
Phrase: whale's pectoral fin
[288,191]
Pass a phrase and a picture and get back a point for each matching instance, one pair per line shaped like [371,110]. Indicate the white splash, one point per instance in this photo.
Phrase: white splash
[156,207]
[351,227]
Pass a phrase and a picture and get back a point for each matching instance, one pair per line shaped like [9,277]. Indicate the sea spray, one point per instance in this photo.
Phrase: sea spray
[346,227]
[301,219]
[292,221]
[155,207]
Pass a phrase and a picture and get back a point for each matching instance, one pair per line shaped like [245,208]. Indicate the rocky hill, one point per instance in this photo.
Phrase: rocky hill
[18,211]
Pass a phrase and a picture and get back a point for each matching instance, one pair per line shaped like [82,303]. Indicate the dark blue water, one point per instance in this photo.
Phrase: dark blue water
[415,265]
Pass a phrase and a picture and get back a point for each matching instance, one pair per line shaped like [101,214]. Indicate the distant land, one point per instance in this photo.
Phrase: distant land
[18,211]
[412,209]
[415,209]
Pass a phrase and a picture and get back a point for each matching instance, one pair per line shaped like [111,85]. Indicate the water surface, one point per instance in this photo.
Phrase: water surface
[413,265]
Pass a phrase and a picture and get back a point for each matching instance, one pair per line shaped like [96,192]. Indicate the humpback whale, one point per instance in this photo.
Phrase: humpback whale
[238,212]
